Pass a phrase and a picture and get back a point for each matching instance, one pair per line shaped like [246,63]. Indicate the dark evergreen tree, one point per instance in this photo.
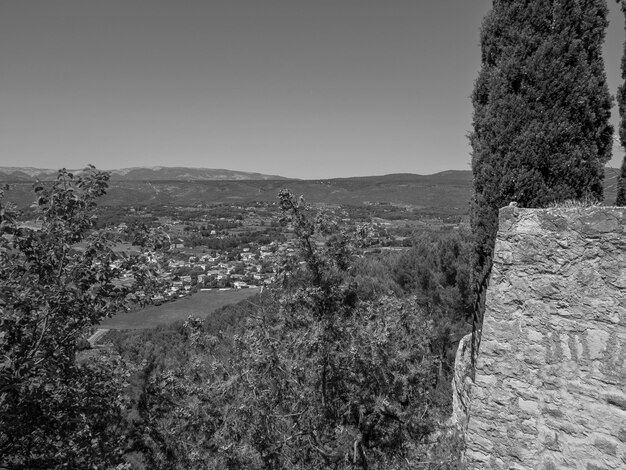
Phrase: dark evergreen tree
[541,113]
[621,103]
[620,200]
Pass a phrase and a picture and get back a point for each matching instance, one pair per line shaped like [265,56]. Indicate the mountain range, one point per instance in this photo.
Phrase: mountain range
[444,193]
[154,173]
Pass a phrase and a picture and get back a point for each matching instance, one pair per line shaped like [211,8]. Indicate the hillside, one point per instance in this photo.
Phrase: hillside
[447,192]
[442,192]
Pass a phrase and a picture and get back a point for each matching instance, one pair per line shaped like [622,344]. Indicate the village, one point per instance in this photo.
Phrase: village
[235,269]
[238,247]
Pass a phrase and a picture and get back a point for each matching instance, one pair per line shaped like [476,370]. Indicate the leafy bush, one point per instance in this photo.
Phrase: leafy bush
[56,282]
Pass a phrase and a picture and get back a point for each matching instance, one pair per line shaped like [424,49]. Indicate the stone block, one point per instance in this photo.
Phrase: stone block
[595,466]
[605,446]
[616,400]
[528,406]
[597,341]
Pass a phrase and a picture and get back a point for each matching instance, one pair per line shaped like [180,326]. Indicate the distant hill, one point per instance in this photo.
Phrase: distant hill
[441,191]
[444,193]
[155,173]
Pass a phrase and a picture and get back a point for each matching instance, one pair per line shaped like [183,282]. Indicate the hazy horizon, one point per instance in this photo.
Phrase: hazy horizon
[54,170]
[304,89]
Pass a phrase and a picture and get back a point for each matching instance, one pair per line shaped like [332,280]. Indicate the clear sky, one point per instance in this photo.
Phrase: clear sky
[299,88]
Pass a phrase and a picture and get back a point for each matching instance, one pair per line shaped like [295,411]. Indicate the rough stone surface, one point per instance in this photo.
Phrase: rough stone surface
[461,383]
[550,383]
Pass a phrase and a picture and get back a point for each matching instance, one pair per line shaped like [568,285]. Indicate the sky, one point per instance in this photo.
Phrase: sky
[297,88]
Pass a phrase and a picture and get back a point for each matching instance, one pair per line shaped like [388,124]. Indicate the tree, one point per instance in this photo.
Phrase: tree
[56,282]
[620,200]
[541,113]
[323,380]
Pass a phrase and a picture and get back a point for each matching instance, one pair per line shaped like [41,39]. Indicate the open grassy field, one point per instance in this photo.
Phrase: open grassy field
[200,305]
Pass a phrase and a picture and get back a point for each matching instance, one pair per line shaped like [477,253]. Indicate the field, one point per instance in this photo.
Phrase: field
[201,305]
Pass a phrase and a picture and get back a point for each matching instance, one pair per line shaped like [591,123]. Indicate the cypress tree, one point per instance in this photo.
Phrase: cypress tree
[541,114]
[620,200]
[621,103]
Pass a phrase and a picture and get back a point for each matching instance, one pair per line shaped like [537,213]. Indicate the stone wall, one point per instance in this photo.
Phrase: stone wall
[550,383]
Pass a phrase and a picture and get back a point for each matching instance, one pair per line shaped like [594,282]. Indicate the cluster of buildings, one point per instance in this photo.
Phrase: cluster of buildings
[241,268]
[250,264]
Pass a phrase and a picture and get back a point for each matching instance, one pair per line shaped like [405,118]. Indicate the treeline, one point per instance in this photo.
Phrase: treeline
[233,240]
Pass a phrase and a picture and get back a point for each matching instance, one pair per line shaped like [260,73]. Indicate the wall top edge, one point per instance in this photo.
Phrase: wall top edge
[589,221]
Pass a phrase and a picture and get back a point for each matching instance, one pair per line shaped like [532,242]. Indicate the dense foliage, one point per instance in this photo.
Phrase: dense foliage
[322,374]
[57,281]
[322,379]
[620,200]
[541,111]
